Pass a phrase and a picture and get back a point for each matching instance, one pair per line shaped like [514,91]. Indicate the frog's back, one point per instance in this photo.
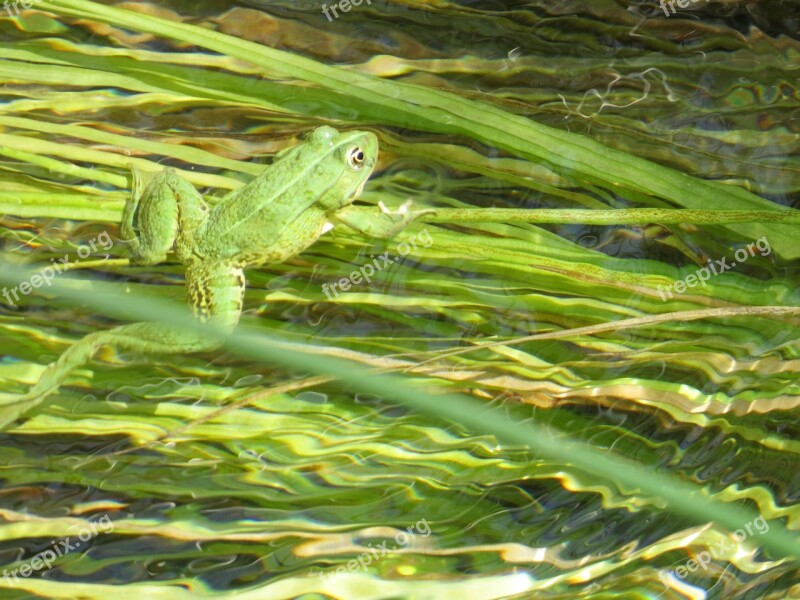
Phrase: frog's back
[286,208]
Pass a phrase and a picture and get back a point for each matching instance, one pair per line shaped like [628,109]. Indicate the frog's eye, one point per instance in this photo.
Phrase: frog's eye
[355,157]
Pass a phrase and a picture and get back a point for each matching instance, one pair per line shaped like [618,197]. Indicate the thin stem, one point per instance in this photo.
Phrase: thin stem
[100,262]
[627,216]
[680,316]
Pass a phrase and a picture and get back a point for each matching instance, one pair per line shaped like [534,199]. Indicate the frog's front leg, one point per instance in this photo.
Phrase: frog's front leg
[162,214]
[382,223]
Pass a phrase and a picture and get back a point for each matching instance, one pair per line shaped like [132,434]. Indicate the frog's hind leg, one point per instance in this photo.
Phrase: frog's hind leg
[162,214]
[136,337]
[215,293]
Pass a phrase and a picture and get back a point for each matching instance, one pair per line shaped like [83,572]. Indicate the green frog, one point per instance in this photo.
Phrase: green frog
[308,189]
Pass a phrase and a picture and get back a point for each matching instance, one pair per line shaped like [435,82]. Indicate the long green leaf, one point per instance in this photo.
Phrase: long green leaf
[689,500]
[440,111]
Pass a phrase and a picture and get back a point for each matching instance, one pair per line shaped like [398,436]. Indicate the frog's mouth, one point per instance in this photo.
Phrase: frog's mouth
[357,192]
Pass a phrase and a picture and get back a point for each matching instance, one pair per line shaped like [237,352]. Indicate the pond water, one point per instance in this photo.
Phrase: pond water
[619,178]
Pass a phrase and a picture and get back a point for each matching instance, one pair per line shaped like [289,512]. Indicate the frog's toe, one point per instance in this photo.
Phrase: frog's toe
[402,210]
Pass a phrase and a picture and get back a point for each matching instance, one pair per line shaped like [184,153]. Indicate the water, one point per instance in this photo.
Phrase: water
[134,483]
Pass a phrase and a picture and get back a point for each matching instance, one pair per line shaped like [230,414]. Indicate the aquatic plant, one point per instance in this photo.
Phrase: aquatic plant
[635,408]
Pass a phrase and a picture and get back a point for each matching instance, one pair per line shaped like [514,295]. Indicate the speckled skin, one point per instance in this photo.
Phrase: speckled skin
[274,217]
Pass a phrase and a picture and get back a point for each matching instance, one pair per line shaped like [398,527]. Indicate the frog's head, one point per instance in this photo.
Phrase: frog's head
[346,159]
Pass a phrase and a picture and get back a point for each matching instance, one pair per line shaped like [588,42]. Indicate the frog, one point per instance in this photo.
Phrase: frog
[307,190]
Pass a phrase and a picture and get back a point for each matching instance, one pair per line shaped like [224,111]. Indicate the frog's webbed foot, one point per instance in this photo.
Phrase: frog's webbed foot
[384,224]
[128,229]
[402,217]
